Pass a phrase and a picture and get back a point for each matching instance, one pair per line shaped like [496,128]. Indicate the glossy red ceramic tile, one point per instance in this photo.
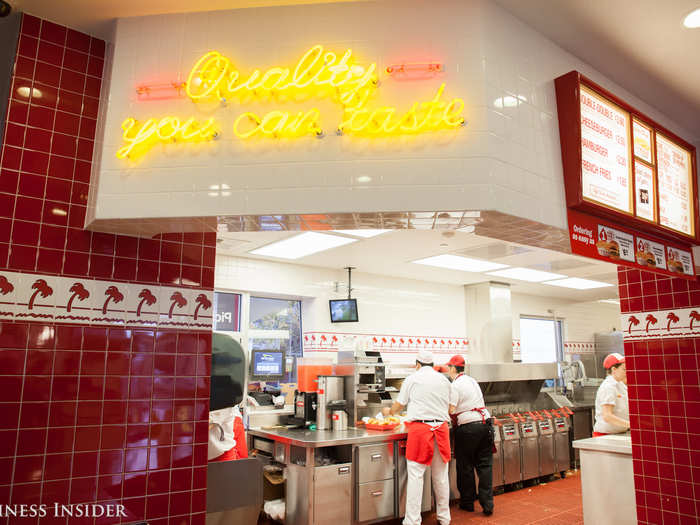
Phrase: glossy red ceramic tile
[663,403]
[89,399]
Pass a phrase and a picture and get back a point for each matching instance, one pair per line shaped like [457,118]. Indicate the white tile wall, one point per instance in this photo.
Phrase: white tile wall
[505,159]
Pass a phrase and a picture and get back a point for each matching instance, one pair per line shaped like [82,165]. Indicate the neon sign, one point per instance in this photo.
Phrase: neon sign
[424,116]
[279,124]
[319,74]
[140,137]
[213,76]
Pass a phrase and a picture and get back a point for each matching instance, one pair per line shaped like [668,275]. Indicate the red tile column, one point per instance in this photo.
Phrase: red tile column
[92,409]
[661,318]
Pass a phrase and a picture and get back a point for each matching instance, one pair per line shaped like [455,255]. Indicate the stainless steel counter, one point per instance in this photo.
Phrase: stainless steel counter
[343,477]
[328,438]
[606,475]
[618,443]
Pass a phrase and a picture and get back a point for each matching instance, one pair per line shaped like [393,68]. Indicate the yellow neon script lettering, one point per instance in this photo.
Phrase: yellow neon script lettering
[278,124]
[317,73]
[140,137]
[423,116]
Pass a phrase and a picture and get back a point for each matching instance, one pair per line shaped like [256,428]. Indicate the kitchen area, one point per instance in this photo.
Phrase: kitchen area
[314,412]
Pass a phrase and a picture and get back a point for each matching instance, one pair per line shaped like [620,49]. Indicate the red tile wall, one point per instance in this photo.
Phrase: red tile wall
[664,388]
[91,414]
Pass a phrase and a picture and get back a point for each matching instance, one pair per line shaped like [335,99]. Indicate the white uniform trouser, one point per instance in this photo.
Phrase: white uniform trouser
[441,488]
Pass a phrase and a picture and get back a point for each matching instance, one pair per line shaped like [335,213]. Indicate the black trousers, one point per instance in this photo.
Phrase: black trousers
[474,451]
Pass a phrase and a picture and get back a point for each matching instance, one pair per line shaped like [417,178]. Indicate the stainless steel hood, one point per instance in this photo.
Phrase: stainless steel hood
[487,372]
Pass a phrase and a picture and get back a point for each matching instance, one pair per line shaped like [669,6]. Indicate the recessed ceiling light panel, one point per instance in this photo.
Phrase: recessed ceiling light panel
[362,233]
[578,284]
[302,245]
[464,264]
[692,20]
[527,274]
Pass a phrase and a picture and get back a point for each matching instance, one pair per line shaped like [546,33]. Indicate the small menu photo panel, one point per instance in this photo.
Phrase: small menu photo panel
[606,169]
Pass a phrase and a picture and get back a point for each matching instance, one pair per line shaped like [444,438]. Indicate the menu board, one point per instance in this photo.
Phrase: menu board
[605,152]
[675,186]
[620,165]
[642,141]
[644,191]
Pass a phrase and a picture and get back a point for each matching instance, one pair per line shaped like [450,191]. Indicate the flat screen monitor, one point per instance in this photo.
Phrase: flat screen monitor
[343,310]
[267,364]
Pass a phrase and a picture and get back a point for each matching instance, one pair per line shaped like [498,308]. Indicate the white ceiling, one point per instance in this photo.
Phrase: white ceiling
[95,16]
[390,254]
[640,44]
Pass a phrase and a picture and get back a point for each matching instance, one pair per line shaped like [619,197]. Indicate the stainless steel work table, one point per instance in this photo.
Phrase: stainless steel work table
[340,477]
[329,438]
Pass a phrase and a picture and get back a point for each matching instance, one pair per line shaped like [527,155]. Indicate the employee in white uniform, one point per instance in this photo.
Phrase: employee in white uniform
[473,438]
[426,393]
[612,413]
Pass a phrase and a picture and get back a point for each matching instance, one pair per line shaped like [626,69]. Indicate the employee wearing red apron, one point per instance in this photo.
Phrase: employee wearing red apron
[226,435]
[473,438]
[426,393]
[612,413]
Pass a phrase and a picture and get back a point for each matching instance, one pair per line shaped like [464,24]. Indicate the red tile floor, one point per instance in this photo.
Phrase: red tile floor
[557,502]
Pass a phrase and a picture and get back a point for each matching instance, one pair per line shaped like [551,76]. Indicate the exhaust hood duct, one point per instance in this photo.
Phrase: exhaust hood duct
[489,322]
[490,328]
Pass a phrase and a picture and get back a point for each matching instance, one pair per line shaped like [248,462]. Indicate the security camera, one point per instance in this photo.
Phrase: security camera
[5,9]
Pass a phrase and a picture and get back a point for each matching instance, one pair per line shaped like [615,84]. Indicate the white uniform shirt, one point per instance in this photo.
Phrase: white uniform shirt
[465,394]
[427,395]
[611,392]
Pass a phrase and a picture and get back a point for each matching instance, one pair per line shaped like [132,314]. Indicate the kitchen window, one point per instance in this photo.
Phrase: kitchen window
[541,340]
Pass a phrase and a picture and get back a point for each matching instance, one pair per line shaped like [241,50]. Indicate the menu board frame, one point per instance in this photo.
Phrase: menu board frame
[568,94]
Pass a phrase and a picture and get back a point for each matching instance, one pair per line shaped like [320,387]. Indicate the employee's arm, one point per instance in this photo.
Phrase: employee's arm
[611,418]
[394,409]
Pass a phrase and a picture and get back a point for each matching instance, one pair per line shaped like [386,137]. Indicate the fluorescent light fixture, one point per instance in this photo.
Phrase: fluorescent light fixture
[302,245]
[609,301]
[508,101]
[362,233]
[456,262]
[578,284]
[526,274]
[364,178]
[692,21]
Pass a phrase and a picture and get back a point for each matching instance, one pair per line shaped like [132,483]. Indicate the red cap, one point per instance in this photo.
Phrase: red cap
[456,360]
[613,359]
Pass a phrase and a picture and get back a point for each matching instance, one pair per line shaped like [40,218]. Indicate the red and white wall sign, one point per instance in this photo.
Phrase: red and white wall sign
[32,297]
[661,324]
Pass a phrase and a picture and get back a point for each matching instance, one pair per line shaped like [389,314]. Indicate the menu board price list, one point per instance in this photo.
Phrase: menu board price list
[622,166]
[605,152]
